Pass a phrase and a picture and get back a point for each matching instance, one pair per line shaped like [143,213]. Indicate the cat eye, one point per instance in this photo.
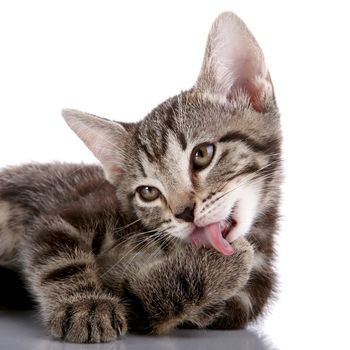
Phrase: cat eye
[148,193]
[202,155]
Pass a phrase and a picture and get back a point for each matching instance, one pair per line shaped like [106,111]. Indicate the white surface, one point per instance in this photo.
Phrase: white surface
[120,59]
[22,331]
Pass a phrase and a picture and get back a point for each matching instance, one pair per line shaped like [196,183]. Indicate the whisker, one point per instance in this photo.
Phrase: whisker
[253,176]
[168,239]
[160,246]
[152,241]
[135,247]
[124,241]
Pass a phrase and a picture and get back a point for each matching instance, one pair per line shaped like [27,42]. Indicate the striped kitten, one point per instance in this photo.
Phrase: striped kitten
[177,227]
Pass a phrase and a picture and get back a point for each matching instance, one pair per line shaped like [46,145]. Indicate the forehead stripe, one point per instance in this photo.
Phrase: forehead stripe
[181,137]
[143,147]
[270,146]
[141,168]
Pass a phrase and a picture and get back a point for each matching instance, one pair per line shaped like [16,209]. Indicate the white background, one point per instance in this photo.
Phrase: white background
[120,59]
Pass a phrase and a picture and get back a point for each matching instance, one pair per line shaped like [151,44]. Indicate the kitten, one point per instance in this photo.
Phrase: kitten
[176,229]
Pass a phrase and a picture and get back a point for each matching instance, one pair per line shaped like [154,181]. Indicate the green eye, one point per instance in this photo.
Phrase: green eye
[148,193]
[202,155]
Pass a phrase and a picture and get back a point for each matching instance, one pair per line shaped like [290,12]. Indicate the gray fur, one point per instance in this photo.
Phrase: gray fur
[99,260]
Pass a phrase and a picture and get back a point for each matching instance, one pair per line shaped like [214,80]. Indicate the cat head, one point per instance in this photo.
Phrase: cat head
[203,164]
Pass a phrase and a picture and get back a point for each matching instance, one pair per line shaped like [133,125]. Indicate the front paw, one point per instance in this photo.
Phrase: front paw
[88,319]
[245,253]
[227,275]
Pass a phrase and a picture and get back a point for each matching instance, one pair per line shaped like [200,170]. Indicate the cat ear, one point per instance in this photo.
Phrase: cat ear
[234,63]
[104,138]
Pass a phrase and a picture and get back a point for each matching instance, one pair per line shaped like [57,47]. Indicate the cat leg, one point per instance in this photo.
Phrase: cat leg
[62,274]
[189,287]
[249,303]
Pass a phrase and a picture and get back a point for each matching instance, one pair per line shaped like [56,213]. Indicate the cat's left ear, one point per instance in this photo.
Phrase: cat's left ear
[105,139]
[234,63]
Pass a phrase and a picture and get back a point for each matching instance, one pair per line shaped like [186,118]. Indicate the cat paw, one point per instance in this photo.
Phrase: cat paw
[246,253]
[234,270]
[245,260]
[89,319]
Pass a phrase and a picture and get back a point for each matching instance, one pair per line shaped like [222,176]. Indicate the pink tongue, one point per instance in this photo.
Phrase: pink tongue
[211,236]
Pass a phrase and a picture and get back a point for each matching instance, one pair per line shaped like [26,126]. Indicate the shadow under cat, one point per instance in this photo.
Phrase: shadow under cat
[13,293]
[15,320]
[34,337]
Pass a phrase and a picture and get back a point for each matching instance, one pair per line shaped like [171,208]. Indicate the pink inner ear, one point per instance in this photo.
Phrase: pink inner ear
[254,92]
[254,89]
[234,62]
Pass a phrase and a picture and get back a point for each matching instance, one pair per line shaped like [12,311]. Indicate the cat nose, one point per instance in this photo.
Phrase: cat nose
[187,214]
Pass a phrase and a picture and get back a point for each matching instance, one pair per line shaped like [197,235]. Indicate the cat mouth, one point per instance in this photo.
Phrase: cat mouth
[228,224]
[214,235]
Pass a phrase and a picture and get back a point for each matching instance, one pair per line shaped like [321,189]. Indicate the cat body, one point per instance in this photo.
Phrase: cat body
[176,229]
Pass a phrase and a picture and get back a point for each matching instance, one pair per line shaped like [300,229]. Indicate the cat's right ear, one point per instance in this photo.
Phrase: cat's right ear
[234,69]
[105,139]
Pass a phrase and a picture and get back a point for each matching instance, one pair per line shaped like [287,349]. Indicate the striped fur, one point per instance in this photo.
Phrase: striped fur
[99,260]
